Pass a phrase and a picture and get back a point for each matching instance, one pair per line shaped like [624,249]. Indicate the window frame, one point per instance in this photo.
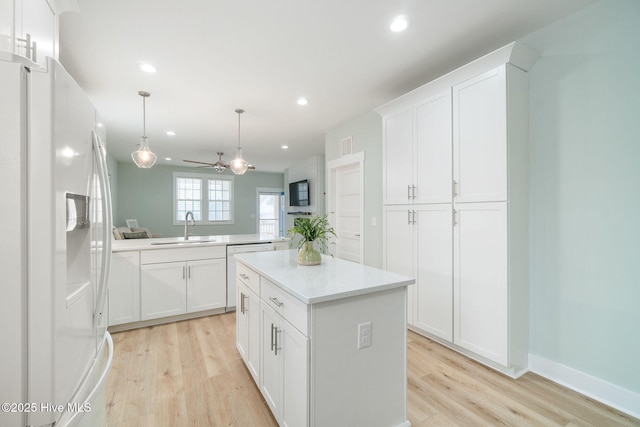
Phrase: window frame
[204,197]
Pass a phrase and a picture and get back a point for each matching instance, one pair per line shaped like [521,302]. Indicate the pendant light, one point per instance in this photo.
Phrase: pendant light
[239,165]
[143,157]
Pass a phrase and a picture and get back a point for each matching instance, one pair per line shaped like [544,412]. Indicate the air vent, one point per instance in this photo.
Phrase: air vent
[346,146]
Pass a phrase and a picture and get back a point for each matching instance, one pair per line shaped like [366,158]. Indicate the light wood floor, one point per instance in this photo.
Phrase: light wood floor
[189,374]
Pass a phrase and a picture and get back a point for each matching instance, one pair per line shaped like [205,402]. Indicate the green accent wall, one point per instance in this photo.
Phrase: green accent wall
[585,192]
[147,195]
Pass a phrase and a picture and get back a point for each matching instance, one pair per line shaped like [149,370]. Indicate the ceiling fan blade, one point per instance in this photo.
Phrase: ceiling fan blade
[201,163]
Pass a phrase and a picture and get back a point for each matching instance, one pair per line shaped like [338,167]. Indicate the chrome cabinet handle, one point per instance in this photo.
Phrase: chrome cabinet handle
[273,344]
[276,301]
[184,272]
[455,188]
[277,343]
[413,191]
[242,302]
[244,276]
[409,192]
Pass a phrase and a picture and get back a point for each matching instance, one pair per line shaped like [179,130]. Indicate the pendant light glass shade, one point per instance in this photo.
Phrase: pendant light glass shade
[239,165]
[143,157]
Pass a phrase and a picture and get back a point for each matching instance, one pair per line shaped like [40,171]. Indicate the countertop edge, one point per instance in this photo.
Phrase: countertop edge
[402,282]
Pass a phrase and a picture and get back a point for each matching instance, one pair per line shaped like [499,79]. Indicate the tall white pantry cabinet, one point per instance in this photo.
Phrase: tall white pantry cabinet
[455,184]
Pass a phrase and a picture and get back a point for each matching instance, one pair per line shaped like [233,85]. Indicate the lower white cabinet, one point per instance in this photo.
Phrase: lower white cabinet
[284,377]
[419,242]
[481,284]
[179,281]
[248,328]
[124,288]
[163,289]
[204,291]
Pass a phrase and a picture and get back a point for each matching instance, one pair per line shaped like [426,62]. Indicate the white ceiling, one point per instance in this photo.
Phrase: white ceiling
[214,56]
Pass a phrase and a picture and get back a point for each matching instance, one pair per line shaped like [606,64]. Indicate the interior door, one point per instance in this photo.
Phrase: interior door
[348,213]
[346,206]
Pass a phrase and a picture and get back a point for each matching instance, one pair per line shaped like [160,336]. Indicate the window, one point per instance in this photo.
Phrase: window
[210,199]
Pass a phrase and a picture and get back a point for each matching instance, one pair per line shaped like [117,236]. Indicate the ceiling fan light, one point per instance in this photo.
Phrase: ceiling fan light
[238,165]
[143,157]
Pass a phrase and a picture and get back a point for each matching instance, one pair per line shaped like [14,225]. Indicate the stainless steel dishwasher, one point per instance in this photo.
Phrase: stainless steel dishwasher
[231,267]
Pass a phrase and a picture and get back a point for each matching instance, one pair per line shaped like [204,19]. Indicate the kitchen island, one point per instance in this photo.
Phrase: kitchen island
[327,344]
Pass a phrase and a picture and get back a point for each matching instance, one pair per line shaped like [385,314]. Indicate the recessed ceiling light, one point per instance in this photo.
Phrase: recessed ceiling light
[399,24]
[302,101]
[284,147]
[147,67]
[167,158]
[171,133]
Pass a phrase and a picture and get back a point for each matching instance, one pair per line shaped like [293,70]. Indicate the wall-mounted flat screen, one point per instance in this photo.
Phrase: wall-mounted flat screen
[299,193]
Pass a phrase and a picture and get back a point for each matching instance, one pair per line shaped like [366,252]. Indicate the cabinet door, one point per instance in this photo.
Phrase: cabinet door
[242,322]
[432,160]
[163,289]
[480,138]
[37,19]
[270,362]
[434,284]
[480,279]
[399,247]
[295,381]
[398,155]
[206,284]
[124,288]
[248,329]
[252,308]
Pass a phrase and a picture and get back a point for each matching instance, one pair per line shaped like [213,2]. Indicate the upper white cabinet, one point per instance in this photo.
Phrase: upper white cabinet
[398,157]
[417,152]
[460,226]
[29,29]
[480,137]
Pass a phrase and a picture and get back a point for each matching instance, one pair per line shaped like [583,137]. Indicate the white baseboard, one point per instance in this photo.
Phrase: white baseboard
[610,394]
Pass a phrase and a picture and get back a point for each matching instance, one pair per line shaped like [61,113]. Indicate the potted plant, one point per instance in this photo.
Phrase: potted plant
[311,229]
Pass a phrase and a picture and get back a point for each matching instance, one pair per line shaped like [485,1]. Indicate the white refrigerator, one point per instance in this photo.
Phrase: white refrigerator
[55,247]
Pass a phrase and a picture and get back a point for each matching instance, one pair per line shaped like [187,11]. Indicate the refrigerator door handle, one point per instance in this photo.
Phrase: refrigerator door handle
[107,225]
[67,417]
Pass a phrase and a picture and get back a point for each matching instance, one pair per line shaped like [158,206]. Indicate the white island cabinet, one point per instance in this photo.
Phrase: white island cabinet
[329,346]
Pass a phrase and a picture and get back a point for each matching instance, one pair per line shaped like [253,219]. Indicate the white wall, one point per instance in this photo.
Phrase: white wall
[585,194]
[366,133]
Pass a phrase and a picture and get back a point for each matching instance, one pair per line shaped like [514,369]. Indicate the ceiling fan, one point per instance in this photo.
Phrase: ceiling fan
[218,166]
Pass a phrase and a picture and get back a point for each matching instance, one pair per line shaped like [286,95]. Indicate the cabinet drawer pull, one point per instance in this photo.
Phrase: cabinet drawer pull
[273,343]
[276,301]
[409,192]
[244,276]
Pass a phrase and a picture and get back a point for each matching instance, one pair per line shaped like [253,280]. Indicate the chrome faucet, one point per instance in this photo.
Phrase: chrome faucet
[186,224]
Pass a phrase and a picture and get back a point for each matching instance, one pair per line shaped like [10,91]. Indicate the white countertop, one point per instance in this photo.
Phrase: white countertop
[194,241]
[333,279]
